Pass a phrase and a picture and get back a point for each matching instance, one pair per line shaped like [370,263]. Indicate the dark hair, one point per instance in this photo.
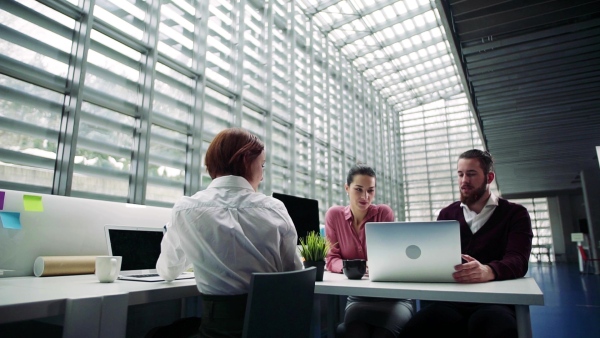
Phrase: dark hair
[359,169]
[232,152]
[486,161]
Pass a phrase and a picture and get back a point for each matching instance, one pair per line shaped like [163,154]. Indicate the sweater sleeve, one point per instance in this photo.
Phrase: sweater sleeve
[515,261]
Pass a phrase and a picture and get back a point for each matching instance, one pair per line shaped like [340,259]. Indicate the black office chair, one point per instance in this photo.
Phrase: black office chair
[280,304]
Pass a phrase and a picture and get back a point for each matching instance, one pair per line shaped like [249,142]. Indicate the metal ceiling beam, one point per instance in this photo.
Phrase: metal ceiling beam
[526,104]
[367,11]
[551,49]
[523,19]
[462,8]
[538,79]
[485,45]
[349,39]
[418,74]
[385,72]
[322,6]
[392,57]
[577,58]
[516,99]
[368,49]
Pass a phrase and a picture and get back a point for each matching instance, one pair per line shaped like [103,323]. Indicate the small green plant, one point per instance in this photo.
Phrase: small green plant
[313,247]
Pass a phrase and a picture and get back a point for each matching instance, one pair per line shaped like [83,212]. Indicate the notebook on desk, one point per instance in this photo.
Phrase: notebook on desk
[413,251]
[139,248]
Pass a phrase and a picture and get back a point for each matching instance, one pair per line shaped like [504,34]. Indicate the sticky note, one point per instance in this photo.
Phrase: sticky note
[10,220]
[2,194]
[33,203]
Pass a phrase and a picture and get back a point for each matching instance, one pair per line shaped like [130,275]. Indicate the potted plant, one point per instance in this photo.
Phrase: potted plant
[314,249]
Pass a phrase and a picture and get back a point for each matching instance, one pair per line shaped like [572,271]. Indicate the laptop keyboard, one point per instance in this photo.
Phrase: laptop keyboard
[144,275]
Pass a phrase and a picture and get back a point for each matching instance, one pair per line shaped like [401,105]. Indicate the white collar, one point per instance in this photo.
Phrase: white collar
[230,181]
[492,201]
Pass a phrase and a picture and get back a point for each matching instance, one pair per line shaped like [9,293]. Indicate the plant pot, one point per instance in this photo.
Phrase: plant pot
[320,265]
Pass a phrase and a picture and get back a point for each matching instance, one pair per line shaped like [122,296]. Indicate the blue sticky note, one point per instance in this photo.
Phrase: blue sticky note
[10,220]
[2,194]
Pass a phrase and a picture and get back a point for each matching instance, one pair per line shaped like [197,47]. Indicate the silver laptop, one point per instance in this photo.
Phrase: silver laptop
[139,248]
[413,251]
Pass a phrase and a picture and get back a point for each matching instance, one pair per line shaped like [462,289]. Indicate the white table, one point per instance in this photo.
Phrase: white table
[89,306]
[521,292]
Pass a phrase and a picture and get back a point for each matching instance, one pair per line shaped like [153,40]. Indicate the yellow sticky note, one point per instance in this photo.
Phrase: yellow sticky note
[33,203]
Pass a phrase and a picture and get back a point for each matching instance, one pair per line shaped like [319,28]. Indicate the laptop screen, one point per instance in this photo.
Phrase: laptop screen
[304,212]
[139,247]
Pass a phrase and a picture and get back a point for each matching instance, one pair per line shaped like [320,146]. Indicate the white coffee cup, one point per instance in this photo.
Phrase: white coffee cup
[108,268]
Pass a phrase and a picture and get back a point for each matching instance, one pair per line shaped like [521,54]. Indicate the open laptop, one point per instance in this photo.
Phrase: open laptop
[139,248]
[413,251]
[304,212]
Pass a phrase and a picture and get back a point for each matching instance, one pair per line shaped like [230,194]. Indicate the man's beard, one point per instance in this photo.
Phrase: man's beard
[474,195]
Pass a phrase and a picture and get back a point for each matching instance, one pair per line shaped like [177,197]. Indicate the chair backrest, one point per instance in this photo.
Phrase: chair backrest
[280,304]
[582,253]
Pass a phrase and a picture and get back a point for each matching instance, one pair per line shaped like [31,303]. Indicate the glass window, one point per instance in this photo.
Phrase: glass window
[542,245]
[166,167]
[138,101]
[103,153]
[32,92]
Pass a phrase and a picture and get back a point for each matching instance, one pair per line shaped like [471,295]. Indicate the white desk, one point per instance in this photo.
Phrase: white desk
[519,292]
[88,305]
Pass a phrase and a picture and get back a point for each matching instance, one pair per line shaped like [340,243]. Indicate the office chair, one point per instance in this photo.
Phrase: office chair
[280,304]
[587,262]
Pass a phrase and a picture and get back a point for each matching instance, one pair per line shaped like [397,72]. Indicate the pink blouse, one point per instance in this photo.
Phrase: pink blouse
[346,242]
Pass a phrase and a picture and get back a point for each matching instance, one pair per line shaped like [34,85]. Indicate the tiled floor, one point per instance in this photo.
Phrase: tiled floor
[572,302]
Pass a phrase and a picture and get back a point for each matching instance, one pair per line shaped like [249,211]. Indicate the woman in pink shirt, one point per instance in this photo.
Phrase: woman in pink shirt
[345,226]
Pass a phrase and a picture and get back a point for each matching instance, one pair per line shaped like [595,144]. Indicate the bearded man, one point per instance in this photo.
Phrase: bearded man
[496,243]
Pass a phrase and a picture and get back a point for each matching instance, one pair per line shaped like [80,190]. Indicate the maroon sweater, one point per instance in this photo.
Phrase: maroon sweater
[503,242]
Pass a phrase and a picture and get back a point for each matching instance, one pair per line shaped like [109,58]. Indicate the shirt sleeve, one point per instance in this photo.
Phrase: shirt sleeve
[387,214]
[289,248]
[334,257]
[172,260]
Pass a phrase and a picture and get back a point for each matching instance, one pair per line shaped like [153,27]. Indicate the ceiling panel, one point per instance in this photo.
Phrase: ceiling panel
[533,68]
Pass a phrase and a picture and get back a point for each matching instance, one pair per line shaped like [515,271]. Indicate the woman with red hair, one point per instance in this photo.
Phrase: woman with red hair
[228,231]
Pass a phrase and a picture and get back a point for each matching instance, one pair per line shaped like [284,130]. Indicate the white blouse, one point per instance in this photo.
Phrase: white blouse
[227,232]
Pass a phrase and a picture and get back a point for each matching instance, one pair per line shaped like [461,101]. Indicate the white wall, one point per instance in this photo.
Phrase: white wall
[67,226]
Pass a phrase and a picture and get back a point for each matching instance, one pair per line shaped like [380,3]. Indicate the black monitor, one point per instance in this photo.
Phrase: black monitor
[303,211]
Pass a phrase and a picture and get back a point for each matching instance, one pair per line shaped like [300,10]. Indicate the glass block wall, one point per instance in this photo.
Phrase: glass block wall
[118,100]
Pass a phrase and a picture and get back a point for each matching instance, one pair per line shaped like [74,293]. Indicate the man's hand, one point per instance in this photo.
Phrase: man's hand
[472,271]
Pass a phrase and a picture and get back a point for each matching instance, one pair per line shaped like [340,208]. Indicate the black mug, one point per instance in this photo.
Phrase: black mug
[354,268]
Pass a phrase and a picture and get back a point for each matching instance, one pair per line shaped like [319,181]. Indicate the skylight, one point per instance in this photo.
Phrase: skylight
[400,47]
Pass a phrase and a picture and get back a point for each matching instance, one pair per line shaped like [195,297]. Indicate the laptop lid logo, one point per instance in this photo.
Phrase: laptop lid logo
[413,252]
